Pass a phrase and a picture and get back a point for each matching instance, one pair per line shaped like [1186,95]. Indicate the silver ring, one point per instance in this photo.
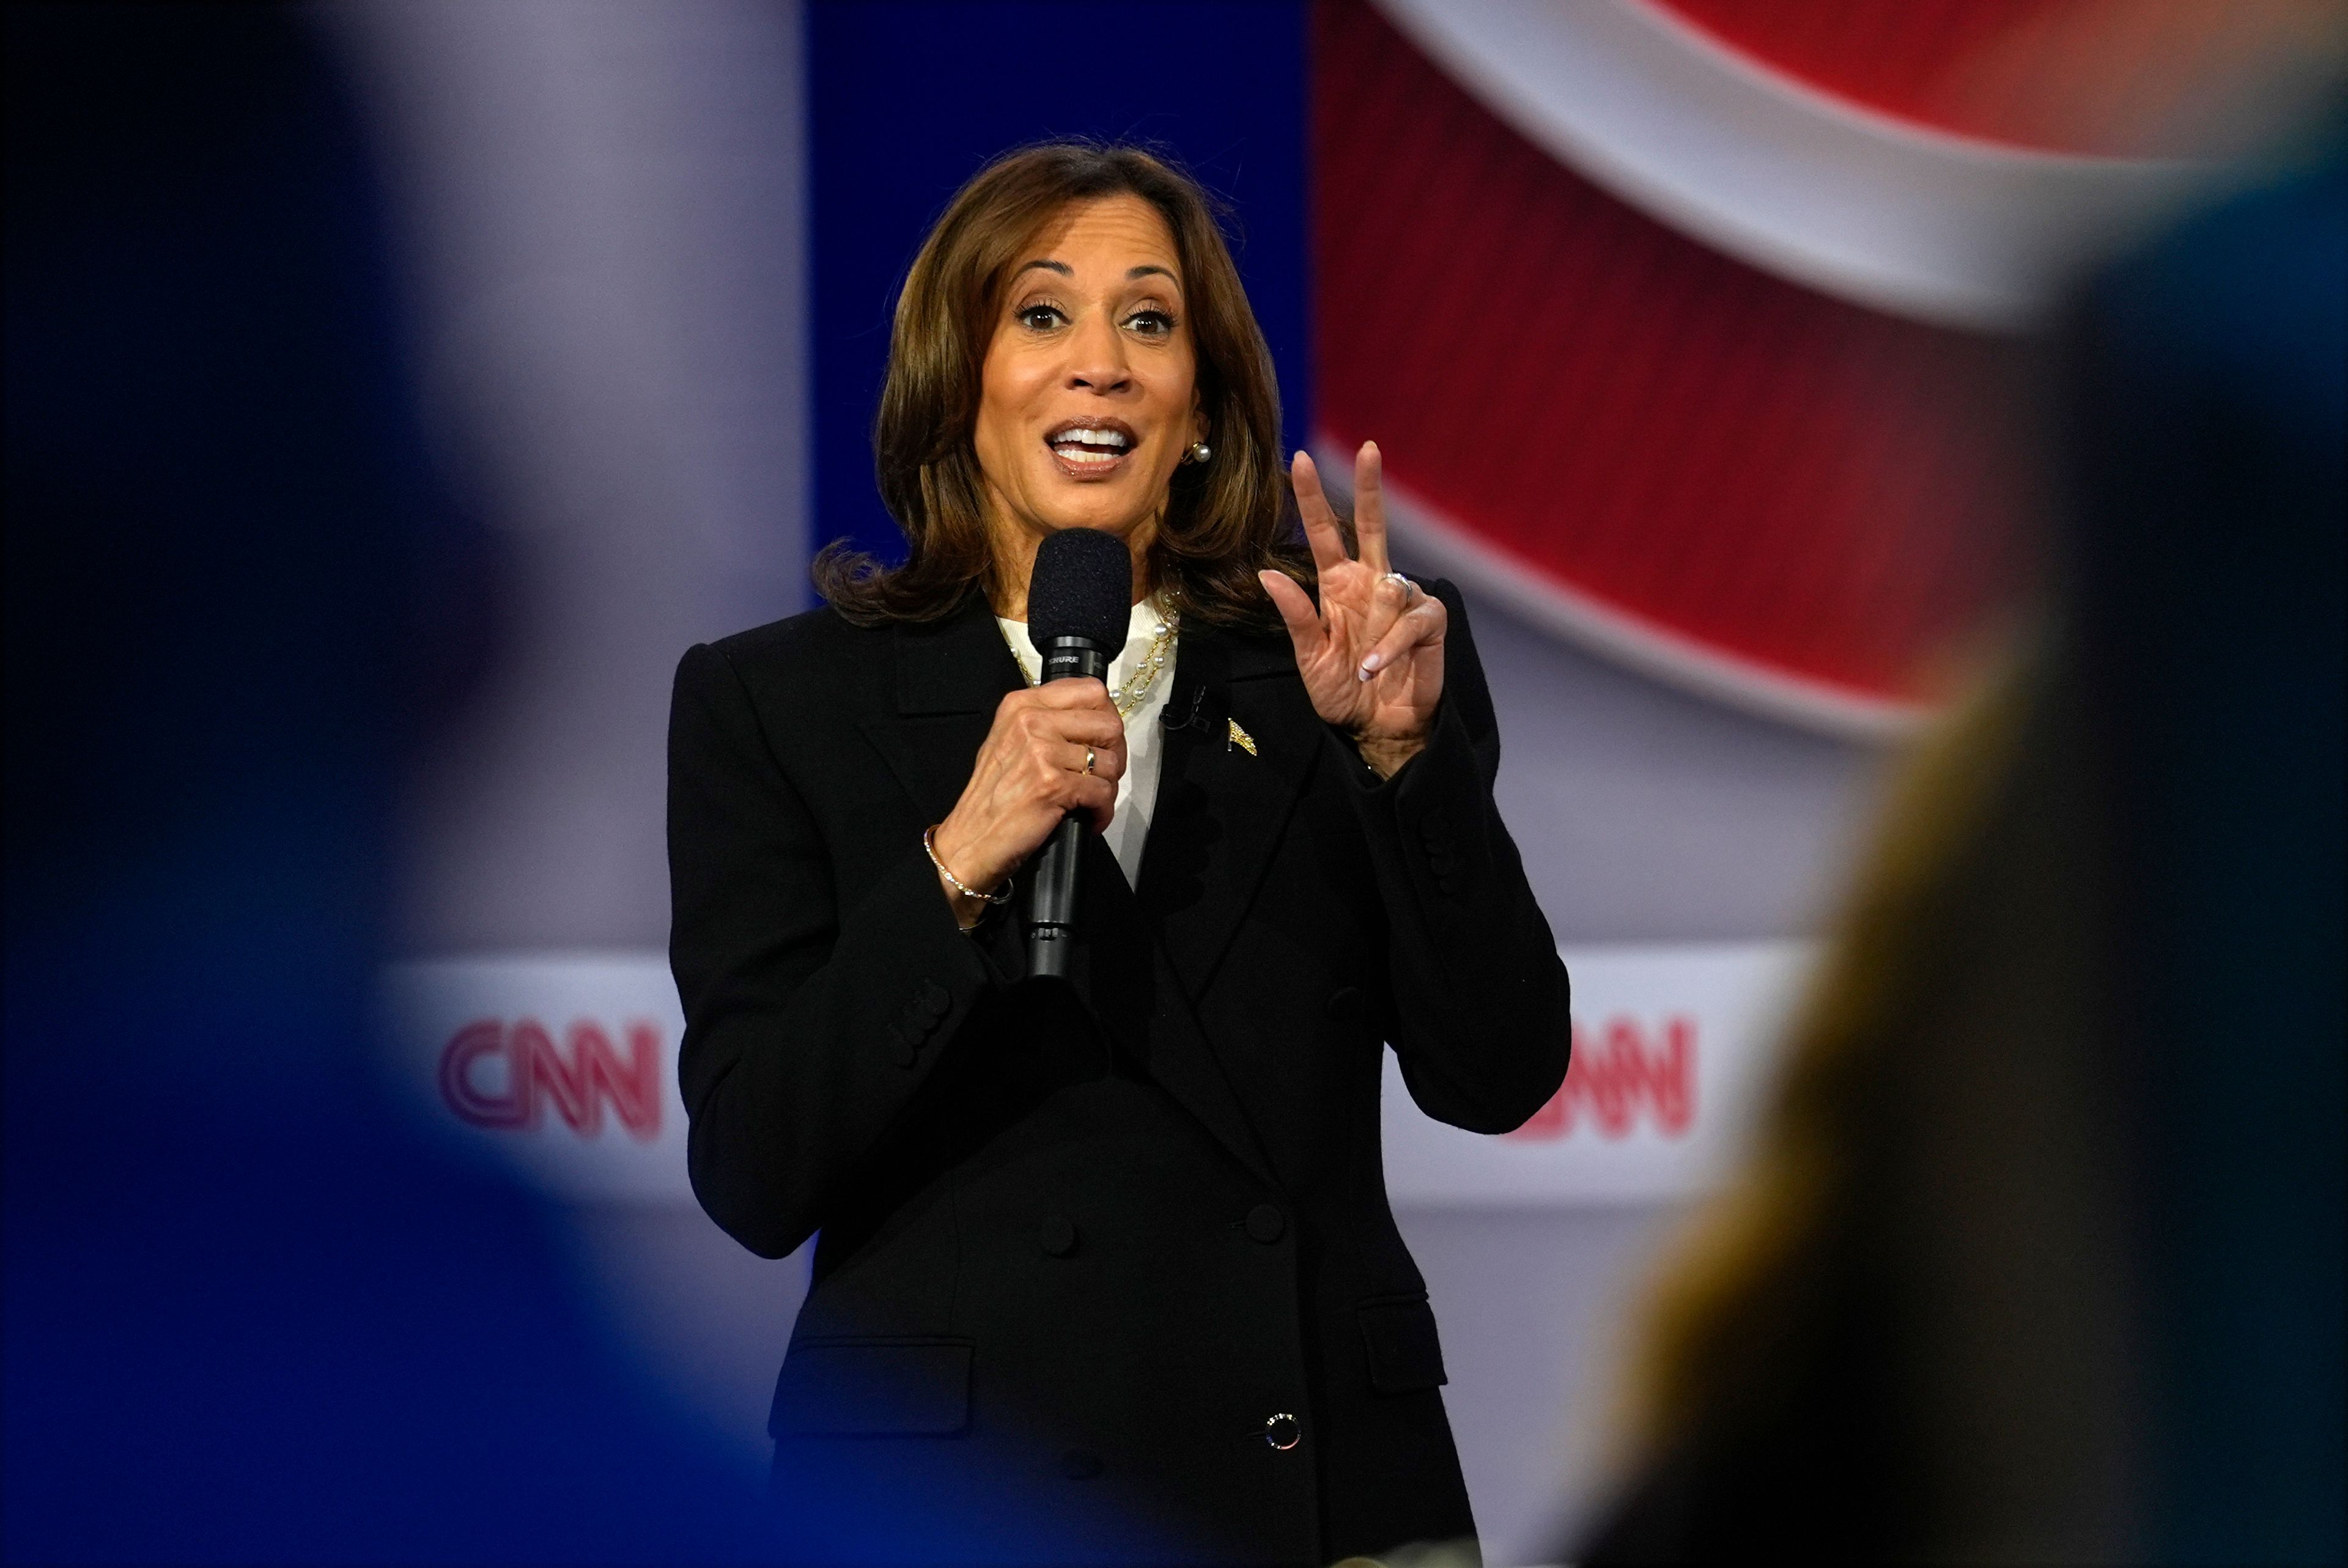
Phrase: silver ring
[1401,582]
[1088,759]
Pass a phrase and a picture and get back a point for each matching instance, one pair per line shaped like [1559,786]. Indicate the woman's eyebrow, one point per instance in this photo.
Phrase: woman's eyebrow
[1146,270]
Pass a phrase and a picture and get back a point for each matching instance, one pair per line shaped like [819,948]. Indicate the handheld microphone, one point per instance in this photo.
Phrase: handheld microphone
[1079,602]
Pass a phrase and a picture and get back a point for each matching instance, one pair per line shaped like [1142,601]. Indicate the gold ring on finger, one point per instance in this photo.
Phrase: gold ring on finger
[1088,759]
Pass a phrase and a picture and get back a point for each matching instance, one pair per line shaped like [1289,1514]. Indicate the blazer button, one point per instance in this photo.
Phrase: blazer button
[1058,1235]
[1345,1005]
[1266,1223]
[1283,1431]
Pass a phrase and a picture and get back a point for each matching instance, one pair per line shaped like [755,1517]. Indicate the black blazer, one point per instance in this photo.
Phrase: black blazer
[1090,1251]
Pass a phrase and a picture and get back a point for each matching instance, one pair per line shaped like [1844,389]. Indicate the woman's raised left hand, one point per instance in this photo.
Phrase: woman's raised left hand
[1372,656]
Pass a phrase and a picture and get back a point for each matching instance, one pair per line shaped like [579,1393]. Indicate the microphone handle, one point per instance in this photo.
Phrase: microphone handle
[1051,895]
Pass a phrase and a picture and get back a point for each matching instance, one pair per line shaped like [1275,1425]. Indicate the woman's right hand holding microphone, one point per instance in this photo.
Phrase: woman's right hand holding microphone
[1031,772]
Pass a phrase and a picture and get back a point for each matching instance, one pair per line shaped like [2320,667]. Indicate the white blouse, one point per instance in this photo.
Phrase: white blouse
[1144,738]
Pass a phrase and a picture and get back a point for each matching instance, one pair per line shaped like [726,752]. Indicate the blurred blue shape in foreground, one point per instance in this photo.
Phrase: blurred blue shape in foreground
[247,1318]
[2209,431]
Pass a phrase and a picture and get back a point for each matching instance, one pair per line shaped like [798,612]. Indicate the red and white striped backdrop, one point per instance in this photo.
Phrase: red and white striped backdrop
[1688,328]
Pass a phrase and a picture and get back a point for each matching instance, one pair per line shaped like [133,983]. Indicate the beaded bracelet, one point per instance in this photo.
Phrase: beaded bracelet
[929,849]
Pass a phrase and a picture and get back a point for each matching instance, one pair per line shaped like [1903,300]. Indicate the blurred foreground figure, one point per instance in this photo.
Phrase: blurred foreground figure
[2040,1258]
[247,1320]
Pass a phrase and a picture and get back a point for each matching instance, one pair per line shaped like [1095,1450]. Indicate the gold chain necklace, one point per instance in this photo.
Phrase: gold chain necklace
[1129,696]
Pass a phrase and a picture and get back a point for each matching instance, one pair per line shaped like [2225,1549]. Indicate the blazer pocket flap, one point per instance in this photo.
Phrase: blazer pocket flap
[1406,1357]
[873,1387]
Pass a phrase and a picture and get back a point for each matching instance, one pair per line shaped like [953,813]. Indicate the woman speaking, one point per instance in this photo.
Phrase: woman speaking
[1107,1271]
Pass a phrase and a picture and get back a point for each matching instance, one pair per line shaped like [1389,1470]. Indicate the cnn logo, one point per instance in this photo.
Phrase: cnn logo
[1619,1070]
[500,1078]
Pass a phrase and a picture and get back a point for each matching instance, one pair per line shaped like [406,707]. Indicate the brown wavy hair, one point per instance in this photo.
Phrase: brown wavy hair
[1226,519]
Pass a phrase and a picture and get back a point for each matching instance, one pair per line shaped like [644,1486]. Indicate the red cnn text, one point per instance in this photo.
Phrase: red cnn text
[578,1083]
[1617,1069]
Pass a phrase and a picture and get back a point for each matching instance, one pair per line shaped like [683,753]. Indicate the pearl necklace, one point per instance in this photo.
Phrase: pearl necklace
[1127,697]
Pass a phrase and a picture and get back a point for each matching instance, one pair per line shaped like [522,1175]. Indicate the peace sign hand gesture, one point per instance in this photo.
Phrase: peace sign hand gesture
[1372,658]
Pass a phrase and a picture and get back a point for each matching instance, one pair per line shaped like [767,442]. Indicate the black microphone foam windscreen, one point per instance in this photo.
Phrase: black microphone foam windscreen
[1082,587]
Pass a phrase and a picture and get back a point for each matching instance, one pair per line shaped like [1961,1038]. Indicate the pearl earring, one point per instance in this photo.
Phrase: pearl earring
[1199,452]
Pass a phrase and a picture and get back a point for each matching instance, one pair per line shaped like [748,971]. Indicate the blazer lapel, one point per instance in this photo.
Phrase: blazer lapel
[1136,997]
[947,679]
[1221,808]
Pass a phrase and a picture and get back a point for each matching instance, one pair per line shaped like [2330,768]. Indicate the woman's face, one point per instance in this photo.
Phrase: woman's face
[1089,391]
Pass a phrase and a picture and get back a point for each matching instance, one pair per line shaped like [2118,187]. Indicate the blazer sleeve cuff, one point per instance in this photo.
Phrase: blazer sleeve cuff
[937,970]
[1425,823]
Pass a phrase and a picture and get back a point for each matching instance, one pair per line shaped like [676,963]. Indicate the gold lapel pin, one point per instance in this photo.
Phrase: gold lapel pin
[1240,738]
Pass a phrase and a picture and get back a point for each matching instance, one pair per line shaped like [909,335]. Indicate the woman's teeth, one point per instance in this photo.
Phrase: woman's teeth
[1089,447]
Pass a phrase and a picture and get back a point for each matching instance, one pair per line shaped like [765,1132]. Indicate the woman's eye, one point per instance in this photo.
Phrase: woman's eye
[1150,323]
[1039,318]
